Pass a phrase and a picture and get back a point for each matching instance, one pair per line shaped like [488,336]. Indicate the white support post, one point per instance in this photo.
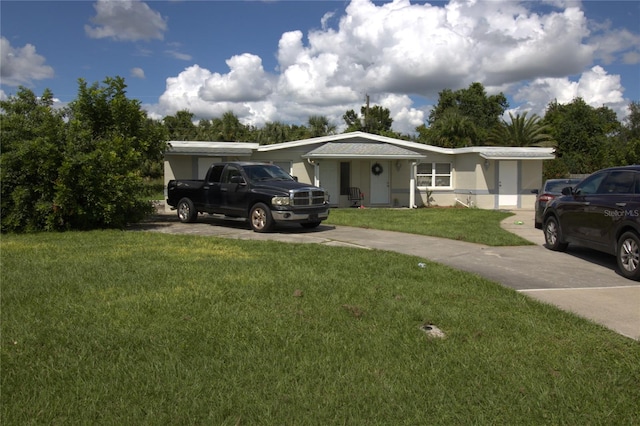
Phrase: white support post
[412,185]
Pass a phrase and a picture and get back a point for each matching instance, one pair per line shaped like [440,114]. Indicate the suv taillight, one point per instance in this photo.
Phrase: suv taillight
[547,197]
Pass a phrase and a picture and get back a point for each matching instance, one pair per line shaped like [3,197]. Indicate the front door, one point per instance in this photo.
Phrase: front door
[379,182]
[508,184]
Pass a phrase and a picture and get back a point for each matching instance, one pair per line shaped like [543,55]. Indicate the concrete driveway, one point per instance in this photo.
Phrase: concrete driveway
[580,280]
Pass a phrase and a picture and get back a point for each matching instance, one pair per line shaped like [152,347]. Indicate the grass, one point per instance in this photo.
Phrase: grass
[471,225]
[111,327]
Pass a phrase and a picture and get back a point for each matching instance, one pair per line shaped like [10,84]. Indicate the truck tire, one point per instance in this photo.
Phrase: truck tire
[260,218]
[186,211]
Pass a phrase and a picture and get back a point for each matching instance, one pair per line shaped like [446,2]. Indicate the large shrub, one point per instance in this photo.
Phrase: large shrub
[79,168]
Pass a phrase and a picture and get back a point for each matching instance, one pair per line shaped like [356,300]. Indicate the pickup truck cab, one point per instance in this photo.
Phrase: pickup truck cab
[260,192]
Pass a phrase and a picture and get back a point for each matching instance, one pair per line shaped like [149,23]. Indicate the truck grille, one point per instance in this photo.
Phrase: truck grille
[304,197]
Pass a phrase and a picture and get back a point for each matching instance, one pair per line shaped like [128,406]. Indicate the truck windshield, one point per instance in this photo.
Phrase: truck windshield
[264,172]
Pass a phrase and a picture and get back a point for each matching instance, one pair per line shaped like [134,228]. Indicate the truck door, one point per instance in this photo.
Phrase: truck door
[211,188]
[234,189]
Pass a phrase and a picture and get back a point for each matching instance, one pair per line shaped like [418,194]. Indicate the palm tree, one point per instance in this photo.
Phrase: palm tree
[453,130]
[273,132]
[522,131]
[319,126]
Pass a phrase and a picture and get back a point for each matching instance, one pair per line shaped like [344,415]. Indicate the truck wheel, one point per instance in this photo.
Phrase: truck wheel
[186,211]
[628,255]
[310,225]
[260,218]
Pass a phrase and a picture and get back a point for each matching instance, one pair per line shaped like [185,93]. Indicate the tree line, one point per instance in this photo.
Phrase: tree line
[84,166]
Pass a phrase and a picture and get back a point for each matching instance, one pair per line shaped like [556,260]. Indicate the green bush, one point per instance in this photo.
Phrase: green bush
[80,168]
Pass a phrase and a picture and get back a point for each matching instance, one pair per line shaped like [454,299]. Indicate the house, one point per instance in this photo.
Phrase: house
[389,172]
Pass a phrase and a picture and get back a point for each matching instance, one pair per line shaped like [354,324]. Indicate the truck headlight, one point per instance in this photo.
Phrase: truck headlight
[280,201]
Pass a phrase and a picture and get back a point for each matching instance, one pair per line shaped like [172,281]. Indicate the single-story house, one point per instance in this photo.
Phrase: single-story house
[389,172]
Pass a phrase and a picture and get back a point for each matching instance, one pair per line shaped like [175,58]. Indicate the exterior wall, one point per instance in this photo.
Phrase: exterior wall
[486,184]
[531,178]
[299,166]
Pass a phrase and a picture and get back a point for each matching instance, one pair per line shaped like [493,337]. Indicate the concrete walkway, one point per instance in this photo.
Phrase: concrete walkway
[580,280]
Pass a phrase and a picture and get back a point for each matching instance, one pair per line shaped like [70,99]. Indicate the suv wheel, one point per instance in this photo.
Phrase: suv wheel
[628,255]
[553,235]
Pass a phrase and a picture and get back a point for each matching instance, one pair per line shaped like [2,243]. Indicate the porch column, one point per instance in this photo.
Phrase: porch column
[412,185]
[316,173]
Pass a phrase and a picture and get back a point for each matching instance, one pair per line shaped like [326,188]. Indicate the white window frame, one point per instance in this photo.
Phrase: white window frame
[434,176]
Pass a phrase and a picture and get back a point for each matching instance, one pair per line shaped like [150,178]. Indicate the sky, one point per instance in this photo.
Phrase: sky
[284,61]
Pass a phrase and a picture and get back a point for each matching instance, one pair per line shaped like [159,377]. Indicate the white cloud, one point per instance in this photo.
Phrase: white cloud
[399,52]
[20,66]
[594,86]
[245,82]
[126,20]
[137,72]
[178,55]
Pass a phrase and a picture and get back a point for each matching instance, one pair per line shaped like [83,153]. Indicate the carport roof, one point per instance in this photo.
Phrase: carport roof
[241,149]
[362,150]
[517,154]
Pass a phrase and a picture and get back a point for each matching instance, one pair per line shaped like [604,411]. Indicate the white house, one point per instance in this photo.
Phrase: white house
[389,172]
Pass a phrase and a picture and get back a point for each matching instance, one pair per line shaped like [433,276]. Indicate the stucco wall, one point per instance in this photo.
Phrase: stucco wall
[531,178]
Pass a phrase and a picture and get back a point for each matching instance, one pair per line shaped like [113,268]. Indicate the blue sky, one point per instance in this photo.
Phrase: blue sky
[287,60]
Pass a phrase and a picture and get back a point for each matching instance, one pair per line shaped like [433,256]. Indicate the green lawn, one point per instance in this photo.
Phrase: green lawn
[113,327]
[472,225]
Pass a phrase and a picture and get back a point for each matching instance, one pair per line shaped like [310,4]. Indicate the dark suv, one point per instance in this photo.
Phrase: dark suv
[603,213]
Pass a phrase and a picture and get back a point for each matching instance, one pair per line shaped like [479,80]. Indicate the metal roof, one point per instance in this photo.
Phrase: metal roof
[362,150]
[244,149]
[513,154]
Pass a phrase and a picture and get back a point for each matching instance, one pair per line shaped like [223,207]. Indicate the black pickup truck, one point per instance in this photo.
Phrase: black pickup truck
[261,192]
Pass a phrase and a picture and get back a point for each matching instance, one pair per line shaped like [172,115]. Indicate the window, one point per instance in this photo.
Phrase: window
[230,172]
[590,185]
[433,175]
[216,173]
[618,182]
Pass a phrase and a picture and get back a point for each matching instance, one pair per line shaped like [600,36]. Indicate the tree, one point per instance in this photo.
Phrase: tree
[631,126]
[522,131]
[32,136]
[180,127]
[451,130]
[273,132]
[482,110]
[376,120]
[319,126]
[228,128]
[583,134]
[626,149]
[82,174]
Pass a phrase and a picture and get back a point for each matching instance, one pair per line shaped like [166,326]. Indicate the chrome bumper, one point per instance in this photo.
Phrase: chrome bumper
[289,216]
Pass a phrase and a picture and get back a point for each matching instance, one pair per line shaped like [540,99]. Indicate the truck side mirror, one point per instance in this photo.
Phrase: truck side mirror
[567,190]
[295,178]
